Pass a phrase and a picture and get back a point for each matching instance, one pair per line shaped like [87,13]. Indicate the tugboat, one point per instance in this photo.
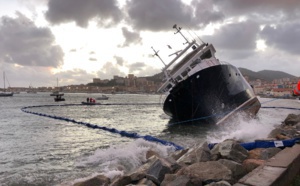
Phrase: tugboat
[200,87]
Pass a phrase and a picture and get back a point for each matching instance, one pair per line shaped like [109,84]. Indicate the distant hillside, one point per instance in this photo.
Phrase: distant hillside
[267,75]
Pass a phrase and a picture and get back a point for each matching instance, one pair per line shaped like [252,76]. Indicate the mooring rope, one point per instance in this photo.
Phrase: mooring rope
[112,130]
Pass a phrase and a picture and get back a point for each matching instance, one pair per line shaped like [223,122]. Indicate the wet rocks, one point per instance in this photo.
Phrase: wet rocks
[222,164]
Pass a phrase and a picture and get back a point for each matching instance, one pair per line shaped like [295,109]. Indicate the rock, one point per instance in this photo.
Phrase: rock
[292,119]
[151,153]
[95,181]
[200,153]
[251,164]
[262,153]
[220,183]
[160,167]
[208,172]
[275,132]
[145,182]
[181,180]
[124,180]
[177,154]
[297,126]
[231,150]
[281,137]
[237,169]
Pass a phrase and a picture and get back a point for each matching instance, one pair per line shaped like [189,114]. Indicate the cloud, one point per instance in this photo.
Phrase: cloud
[206,12]
[263,11]
[74,77]
[131,37]
[25,44]
[108,70]
[105,12]
[140,69]
[284,37]
[157,15]
[120,60]
[92,59]
[236,40]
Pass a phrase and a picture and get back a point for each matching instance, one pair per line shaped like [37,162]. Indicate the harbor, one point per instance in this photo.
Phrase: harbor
[56,152]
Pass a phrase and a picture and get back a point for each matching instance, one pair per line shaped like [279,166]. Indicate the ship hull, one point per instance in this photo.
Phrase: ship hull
[211,94]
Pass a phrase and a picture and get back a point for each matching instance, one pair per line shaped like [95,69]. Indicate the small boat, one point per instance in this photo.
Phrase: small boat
[103,97]
[59,98]
[4,93]
[90,103]
[58,95]
[198,86]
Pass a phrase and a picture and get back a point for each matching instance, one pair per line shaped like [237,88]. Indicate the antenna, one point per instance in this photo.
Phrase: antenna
[156,54]
[178,31]
[175,53]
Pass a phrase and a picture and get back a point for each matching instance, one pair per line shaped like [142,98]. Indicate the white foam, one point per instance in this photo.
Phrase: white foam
[120,159]
[245,129]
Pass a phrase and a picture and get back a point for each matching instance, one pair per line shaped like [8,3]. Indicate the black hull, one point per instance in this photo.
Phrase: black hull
[6,95]
[57,100]
[210,94]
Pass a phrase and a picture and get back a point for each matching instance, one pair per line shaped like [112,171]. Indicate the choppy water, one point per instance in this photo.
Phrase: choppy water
[35,150]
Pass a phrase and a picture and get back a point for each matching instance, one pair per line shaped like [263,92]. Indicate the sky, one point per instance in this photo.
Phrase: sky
[74,41]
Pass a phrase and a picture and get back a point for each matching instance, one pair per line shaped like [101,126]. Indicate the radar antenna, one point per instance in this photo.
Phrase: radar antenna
[178,30]
[156,54]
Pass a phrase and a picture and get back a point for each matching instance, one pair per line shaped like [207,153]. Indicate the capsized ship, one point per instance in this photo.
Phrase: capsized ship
[199,86]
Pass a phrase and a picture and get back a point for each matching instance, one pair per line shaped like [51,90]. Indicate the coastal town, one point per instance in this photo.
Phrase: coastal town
[131,84]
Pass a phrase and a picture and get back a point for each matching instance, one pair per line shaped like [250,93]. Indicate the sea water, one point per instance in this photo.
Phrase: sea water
[36,150]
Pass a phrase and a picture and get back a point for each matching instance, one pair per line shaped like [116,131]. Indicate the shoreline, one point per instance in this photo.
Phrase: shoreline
[226,163]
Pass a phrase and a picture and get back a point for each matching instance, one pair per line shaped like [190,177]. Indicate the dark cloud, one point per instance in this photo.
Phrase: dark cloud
[131,37]
[284,37]
[157,15]
[237,40]
[206,12]
[25,44]
[263,10]
[105,12]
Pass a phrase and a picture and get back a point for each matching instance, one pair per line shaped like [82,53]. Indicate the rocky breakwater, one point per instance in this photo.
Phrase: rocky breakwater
[221,164]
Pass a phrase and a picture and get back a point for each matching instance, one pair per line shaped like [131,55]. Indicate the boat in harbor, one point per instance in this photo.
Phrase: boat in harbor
[198,86]
[103,97]
[90,103]
[4,93]
[58,93]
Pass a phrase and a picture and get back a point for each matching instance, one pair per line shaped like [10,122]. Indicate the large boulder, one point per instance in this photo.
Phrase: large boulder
[181,180]
[237,169]
[95,181]
[160,167]
[292,119]
[251,164]
[229,149]
[263,153]
[199,153]
[208,172]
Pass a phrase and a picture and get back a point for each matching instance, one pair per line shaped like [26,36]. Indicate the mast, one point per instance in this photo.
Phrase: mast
[4,80]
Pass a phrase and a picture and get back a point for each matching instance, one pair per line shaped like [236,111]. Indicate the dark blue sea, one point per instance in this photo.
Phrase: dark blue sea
[36,150]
